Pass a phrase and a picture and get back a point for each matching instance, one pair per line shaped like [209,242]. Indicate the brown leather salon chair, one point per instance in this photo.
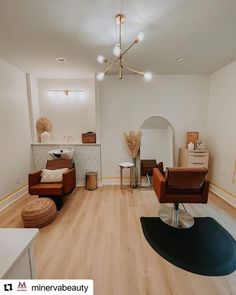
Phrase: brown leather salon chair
[180,185]
[53,188]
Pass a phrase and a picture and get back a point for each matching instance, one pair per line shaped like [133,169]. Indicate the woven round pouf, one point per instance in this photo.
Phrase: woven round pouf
[39,213]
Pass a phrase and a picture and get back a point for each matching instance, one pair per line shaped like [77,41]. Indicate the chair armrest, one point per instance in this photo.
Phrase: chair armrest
[159,184]
[34,178]
[69,181]
[205,192]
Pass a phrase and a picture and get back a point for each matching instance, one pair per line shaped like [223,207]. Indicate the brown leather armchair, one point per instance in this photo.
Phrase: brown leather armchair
[53,189]
[180,185]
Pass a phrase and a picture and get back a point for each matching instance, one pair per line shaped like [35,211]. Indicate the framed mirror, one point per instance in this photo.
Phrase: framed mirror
[156,146]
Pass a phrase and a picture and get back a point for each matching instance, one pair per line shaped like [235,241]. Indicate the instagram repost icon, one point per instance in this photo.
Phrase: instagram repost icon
[8,287]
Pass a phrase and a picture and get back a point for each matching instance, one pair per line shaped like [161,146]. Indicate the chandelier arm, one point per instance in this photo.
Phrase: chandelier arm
[134,71]
[108,68]
[120,56]
[135,42]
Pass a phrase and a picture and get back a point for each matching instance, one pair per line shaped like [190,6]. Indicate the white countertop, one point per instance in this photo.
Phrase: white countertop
[13,242]
[65,143]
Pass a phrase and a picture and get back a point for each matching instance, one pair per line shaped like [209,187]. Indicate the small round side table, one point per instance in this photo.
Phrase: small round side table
[129,166]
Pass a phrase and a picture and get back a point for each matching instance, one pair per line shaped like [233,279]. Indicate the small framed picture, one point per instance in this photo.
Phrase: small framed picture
[200,144]
[192,137]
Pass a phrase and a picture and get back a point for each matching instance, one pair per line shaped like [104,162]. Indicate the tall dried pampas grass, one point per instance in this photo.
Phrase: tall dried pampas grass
[133,141]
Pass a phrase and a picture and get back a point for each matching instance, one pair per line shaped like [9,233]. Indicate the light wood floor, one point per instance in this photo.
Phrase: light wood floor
[97,235]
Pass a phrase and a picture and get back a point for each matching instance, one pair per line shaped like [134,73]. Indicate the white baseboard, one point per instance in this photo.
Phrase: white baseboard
[13,197]
[82,184]
[116,181]
[220,192]
[113,181]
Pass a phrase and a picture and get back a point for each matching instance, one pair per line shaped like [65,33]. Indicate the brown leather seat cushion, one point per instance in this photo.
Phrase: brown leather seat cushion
[185,181]
[47,189]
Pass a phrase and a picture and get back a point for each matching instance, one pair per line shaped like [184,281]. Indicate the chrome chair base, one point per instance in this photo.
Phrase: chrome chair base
[177,218]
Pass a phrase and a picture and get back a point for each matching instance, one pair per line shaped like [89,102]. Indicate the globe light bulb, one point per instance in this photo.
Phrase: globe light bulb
[116,50]
[100,76]
[140,36]
[147,76]
[100,59]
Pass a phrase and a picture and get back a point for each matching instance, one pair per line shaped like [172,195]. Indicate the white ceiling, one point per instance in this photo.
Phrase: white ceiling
[34,32]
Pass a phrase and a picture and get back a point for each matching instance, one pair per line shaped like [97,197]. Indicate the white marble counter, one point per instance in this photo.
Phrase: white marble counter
[65,143]
[13,243]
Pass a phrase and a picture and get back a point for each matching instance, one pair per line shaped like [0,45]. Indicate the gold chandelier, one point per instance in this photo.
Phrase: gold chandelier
[119,53]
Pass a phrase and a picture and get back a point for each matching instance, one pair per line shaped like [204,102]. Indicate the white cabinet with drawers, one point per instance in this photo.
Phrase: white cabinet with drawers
[193,158]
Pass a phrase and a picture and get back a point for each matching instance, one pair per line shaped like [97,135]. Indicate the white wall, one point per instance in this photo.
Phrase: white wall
[170,145]
[33,102]
[69,115]
[126,104]
[221,127]
[15,134]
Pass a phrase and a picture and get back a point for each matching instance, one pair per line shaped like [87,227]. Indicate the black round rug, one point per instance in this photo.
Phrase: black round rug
[206,248]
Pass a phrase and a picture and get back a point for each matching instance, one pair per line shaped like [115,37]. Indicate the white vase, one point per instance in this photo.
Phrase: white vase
[190,146]
[45,137]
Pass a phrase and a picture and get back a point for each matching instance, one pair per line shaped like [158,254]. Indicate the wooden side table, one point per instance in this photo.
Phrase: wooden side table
[129,166]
